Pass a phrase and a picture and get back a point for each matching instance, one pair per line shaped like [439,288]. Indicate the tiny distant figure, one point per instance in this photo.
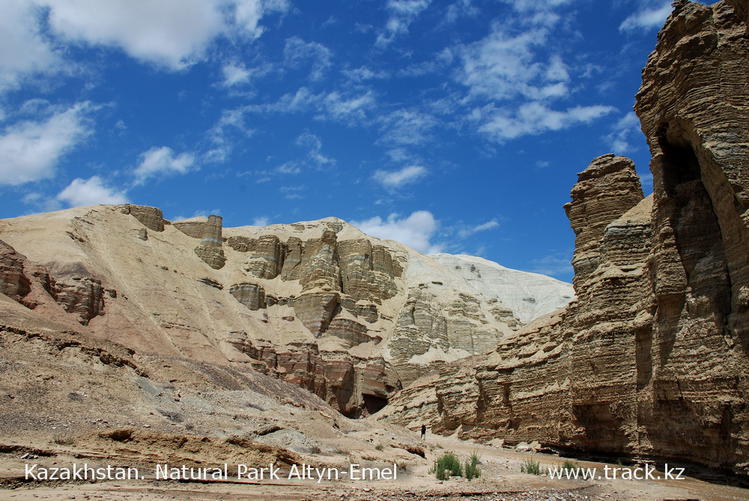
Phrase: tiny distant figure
[423,431]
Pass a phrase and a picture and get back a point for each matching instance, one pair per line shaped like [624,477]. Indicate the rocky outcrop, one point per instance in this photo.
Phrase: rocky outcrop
[607,188]
[250,295]
[367,271]
[150,217]
[13,282]
[82,296]
[694,109]
[652,358]
[209,231]
[265,254]
[317,310]
[356,386]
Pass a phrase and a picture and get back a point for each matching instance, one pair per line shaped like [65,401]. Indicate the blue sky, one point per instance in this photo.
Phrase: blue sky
[454,126]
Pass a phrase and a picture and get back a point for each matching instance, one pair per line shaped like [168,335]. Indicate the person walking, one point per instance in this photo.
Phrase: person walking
[423,431]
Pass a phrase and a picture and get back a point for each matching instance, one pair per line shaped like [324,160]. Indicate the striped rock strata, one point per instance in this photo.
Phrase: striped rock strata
[652,359]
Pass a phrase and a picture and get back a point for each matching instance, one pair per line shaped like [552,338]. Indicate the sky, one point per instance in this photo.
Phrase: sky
[451,126]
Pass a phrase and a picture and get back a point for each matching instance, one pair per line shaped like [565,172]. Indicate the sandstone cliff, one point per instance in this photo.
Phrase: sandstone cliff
[319,304]
[652,357]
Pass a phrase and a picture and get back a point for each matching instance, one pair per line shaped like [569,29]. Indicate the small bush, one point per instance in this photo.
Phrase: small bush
[471,468]
[447,466]
[569,465]
[378,447]
[531,467]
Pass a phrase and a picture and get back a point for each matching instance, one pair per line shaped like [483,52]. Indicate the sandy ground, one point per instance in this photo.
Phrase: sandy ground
[501,477]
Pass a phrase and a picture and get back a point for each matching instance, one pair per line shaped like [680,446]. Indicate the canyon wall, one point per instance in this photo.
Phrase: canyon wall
[652,358]
[319,304]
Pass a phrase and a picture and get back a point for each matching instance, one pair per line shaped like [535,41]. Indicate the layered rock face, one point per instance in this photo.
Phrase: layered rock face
[317,304]
[652,357]
[13,283]
[694,108]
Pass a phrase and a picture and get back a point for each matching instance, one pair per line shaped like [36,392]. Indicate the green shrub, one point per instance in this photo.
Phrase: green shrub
[471,467]
[531,467]
[569,465]
[447,466]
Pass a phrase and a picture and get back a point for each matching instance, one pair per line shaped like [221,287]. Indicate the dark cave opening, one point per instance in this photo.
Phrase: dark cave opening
[697,231]
[373,403]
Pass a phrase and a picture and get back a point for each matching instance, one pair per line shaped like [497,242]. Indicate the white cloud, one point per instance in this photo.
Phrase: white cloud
[297,53]
[622,134]
[92,191]
[169,33]
[401,14]
[30,151]
[314,147]
[335,105]
[534,118]
[536,5]
[235,74]
[399,178]
[218,135]
[23,50]
[503,66]
[517,74]
[460,8]
[363,73]
[415,231]
[407,127]
[647,18]
[162,160]
[489,225]
[260,221]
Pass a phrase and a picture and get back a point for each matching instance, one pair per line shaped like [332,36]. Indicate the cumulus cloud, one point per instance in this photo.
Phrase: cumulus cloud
[401,14]
[504,65]
[92,191]
[647,18]
[31,150]
[162,161]
[298,53]
[399,178]
[260,221]
[515,74]
[169,33]
[415,231]
[534,118]
[23,50]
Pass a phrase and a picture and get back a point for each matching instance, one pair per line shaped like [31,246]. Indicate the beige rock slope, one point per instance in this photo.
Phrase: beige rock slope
[318,304]
[652,357]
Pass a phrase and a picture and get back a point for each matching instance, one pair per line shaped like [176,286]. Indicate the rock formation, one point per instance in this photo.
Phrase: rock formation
[317,304]
[651,359]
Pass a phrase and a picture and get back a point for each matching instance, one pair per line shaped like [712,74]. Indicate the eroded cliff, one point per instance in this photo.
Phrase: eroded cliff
[652,358]
[319,304]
